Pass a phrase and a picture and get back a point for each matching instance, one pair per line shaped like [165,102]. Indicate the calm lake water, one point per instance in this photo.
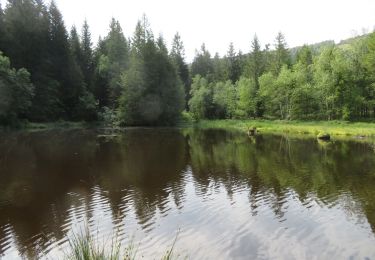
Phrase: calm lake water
[223,194]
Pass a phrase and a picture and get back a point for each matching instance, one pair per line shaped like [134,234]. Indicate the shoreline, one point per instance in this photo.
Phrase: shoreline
[334,128]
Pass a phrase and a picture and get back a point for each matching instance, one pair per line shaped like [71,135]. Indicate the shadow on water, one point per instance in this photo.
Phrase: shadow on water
[231,193]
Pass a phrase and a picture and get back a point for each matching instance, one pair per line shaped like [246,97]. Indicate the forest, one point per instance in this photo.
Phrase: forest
[49,73]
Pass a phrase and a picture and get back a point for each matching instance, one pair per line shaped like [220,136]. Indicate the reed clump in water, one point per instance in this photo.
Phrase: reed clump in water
[84,246]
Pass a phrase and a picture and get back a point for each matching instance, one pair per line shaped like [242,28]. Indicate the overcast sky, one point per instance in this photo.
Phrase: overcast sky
[219,22]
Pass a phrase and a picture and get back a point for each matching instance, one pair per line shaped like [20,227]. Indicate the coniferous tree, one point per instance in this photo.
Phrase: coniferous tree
[3,34]
[281,55]
[28,43]
[233,64]
[202,63]
[86,106]
[256,61]
[63,68]
[152,89]
[87,56]
[75,45]
[268,59]
[256,64]
[219,68]
[144,82]
[178,58]
[27,25]
[112,61]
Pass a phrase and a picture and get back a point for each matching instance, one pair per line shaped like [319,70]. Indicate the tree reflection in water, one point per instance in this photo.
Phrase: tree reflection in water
[226,191]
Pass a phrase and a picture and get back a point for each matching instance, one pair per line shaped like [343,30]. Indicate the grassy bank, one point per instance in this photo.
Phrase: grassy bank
[334,128]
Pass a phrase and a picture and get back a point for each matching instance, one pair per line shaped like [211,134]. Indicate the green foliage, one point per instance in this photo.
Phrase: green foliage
[87,107]
[201,98]
[233,64]
[152,91]
[247,100]
[281,56]
[256,62]
[112,59]
[145,84]
[220,72]
[86,62]
[202,64]
[108,117]
[224,99]
[178,58]
[16,93]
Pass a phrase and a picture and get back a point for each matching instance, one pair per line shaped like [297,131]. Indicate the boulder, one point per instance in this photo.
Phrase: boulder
[324,136]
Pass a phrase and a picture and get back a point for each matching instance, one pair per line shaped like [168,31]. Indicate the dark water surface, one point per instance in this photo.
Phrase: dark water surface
[226,195]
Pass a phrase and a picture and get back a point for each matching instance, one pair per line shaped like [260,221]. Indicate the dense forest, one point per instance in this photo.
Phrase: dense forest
[48,73]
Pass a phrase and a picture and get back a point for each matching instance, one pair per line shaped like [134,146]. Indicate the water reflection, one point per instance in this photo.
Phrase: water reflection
[231,196]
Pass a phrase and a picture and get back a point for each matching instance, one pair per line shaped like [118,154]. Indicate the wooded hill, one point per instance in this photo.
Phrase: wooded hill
[49,74]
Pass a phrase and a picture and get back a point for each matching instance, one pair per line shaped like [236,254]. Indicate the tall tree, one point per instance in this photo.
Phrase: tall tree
[87,56]
[202,63]
[86,107]
[27,24]
[112,59]
[142,35]
[28,45]
[3,33]
[178,58]
[256,61]
[304,55]
[281,55]
[62,67]
[256,65]
[219,68]
[233,64]
[75,44]
[152,90]
[369,63]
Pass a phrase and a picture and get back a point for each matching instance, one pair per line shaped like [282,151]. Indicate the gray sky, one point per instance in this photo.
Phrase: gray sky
[219,22]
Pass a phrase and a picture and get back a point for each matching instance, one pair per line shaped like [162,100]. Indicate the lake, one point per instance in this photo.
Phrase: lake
[220,194]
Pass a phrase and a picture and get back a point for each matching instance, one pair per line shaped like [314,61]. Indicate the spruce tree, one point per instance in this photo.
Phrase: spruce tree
[233,64]
[281,55]
[152,90]
[3,33]
[87,56]
[257,61]
[75,44]
[112,60]
[202,63]
[178,58]
[63,69]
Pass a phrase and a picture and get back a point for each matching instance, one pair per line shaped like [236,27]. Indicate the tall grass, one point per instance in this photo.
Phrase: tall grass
[84,246]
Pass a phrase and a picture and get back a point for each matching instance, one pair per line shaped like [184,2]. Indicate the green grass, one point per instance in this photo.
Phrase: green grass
[334,128]
[84,246]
